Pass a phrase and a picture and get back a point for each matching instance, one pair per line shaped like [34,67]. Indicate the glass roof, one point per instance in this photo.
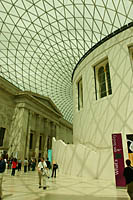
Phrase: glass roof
[42,40]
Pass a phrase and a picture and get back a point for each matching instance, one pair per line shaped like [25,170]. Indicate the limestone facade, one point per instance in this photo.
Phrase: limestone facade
[29,121]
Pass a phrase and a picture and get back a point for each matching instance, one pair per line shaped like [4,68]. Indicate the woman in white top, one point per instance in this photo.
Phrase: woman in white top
[41,172]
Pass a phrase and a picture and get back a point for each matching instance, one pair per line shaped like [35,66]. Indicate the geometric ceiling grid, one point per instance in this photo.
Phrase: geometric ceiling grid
[41,41]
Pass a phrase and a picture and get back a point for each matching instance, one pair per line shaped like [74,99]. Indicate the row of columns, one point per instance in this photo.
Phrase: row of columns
[24,123]
[43,127]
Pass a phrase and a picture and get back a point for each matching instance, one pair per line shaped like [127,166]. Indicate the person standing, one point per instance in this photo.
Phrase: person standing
[33,165]
[128,174]
[29,164]
[19,164]
[42,173]
[25,165]
[14,165]
[2,169]
[48,167]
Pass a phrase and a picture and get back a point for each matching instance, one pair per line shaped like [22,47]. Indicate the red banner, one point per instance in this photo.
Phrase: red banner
[118,159]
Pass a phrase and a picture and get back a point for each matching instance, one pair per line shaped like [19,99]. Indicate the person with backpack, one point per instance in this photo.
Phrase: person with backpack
[42,173]
[128,174]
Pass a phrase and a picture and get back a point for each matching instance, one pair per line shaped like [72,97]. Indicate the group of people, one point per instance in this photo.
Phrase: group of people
[44,172]
[16,164]
[45,169]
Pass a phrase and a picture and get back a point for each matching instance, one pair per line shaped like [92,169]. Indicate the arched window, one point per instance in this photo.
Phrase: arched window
[102,80]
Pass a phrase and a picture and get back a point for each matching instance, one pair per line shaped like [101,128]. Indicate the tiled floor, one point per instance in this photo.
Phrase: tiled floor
[25,187]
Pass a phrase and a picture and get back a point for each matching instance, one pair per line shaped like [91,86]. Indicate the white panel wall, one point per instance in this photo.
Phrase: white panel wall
[94,124]
[78,160]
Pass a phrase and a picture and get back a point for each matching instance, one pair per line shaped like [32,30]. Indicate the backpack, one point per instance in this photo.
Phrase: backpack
[56,167]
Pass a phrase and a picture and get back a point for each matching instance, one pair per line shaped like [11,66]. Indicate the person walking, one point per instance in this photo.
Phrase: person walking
[42,173]
[54,167]
[128,174]
[2,169]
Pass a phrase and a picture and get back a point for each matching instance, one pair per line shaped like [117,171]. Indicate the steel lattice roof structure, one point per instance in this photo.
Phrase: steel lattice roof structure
[41,41]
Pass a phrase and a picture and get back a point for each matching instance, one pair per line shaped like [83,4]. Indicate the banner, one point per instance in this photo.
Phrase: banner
[130,147]
[50,155]
[118,160]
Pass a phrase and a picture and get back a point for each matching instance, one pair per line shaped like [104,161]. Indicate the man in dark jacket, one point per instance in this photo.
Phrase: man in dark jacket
[2,169]
[128,173]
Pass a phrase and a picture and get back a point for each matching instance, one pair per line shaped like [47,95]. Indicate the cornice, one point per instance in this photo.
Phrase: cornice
[34,104]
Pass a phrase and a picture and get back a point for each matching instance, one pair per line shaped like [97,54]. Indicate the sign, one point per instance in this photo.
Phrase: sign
[118,160]
[50,155]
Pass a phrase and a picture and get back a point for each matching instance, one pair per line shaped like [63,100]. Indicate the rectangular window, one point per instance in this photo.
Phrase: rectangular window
[131,55]
[80,94]
[2,133]
[102,80]
[31,141]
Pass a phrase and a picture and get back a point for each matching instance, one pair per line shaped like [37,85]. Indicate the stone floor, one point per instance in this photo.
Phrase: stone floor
[25,187]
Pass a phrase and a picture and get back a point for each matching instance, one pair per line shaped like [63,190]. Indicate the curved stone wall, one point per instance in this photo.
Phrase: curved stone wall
[100,116]
[98,119]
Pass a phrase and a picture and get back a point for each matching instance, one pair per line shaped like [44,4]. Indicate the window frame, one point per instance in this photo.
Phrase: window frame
[97,67]
[80,93]
[31,141]
[131,54]
[2,133]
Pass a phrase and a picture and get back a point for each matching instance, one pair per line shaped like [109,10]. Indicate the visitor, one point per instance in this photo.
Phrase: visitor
[29,164]
[48,167]
[25,165]
[54,168]
[2,169]
[19,164]
[14,166]
[128,174]
[42,171]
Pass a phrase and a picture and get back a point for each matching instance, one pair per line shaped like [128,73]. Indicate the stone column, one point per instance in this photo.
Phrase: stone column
[37,136]
[53,129]
[57,132]
[46,134]
[18,132]
[28,135]
[45,154]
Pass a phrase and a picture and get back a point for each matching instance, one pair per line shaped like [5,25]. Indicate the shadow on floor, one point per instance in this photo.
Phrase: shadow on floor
[77,197]
[7,195]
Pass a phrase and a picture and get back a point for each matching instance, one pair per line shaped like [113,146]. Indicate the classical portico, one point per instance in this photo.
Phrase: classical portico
[34,121]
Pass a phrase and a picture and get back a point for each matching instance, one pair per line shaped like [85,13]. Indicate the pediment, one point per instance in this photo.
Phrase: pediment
[46,101]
